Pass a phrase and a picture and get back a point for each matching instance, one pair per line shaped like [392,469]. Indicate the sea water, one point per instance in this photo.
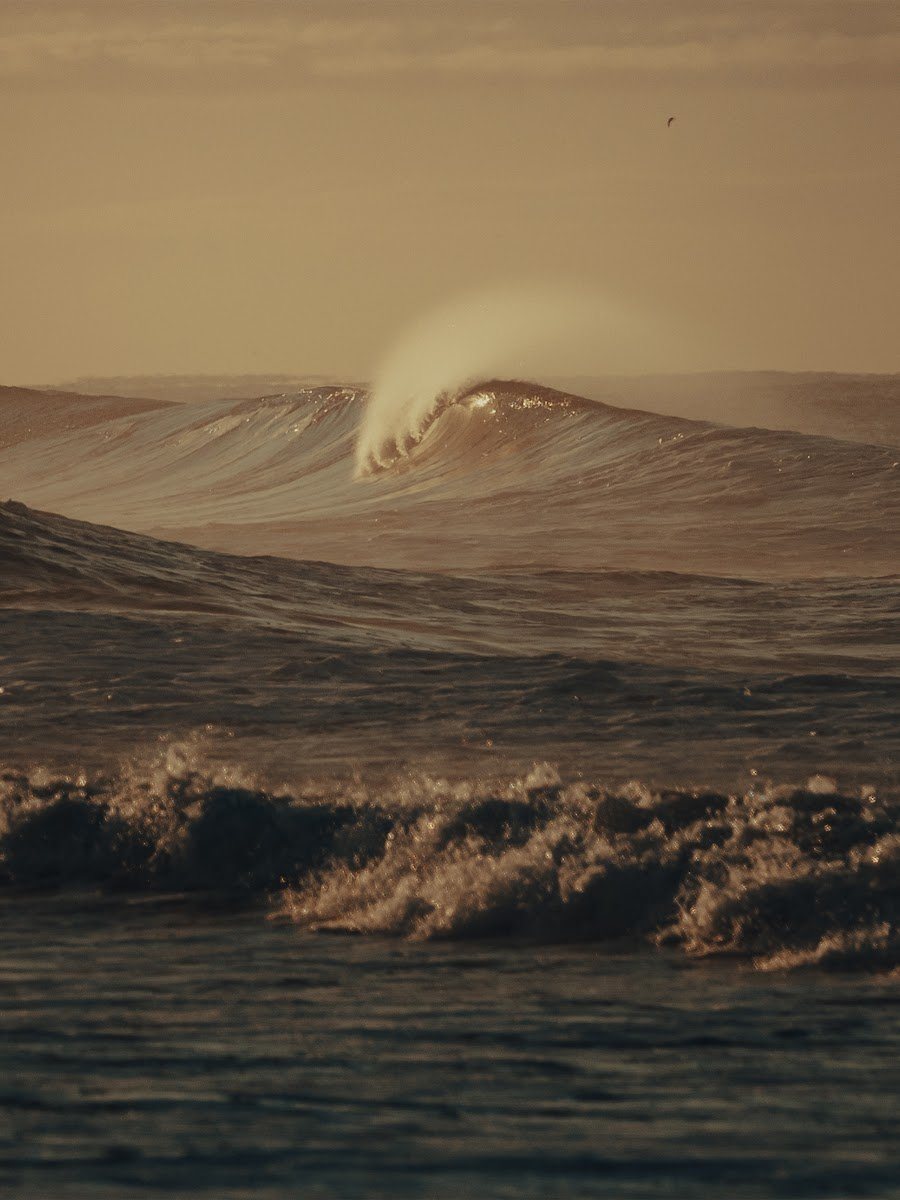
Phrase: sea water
[503,802]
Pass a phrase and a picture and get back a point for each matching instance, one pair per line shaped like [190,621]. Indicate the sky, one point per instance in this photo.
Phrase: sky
[268,186]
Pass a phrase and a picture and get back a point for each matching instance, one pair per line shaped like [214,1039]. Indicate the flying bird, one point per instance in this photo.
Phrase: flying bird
[669,122]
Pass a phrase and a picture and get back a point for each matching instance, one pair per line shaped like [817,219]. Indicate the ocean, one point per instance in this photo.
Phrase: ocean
[494,796]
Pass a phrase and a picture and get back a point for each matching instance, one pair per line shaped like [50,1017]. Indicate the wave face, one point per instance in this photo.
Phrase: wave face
[787,877]
[505,475]
[362,667]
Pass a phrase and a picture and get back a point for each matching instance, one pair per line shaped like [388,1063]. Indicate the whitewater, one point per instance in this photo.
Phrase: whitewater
[546,739]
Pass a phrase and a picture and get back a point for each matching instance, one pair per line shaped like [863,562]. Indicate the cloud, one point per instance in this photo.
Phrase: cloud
[172,45]
[278,42]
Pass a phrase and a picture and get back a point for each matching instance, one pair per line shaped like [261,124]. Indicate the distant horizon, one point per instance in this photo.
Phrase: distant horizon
[859,406]
[311,378]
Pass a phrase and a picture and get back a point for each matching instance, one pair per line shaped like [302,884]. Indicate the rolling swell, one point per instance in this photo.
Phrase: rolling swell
[112,639]
[783,876]
[52,562]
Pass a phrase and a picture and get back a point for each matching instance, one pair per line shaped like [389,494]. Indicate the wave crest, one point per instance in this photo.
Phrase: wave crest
[511,332]
[494,400]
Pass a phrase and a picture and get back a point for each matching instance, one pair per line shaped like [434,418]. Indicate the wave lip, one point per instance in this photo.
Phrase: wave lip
[786,877]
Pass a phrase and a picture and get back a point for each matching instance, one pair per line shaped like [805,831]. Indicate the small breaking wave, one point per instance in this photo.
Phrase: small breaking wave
[785,877]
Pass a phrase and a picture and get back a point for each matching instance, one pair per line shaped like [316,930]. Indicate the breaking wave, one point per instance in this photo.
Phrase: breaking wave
[493,334]
[784,876]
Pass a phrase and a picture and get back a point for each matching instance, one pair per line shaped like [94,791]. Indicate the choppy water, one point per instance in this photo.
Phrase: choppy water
[577,715]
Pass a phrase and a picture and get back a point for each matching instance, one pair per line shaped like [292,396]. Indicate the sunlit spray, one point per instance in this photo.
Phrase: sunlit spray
[523,333]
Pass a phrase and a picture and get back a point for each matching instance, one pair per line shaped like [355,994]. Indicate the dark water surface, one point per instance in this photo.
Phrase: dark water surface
[157,1049]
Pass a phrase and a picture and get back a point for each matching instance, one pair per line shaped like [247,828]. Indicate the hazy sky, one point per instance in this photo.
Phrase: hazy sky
[262,186]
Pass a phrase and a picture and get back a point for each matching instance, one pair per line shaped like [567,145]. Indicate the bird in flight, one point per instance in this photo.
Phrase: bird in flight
[669,122]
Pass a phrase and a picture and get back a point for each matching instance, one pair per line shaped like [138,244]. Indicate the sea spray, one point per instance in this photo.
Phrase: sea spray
[530,332]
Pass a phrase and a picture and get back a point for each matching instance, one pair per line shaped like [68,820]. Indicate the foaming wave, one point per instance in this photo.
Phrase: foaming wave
[786,877]
[521,332]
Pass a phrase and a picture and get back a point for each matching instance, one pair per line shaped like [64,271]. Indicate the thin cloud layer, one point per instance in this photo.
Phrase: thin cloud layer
[288,43]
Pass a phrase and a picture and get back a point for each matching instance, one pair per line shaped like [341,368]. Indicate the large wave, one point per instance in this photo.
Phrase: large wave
[506,475]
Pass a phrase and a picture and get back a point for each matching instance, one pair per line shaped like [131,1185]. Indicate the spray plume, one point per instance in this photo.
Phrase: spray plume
[522,333]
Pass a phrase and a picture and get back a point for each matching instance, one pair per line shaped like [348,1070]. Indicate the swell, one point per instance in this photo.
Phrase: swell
[506,475]
[785,877]
[27,414]
[51,563]
[856,408]
[318,667]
